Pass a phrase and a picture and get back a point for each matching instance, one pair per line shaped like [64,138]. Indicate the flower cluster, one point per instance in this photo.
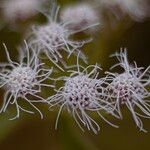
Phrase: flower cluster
[84,91]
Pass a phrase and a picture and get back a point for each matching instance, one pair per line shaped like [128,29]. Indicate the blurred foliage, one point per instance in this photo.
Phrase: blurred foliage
[29,132]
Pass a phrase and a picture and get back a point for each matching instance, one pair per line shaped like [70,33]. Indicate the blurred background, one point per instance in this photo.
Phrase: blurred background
[117,29]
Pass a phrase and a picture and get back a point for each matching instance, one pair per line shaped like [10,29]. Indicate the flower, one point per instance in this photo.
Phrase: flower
[136,9]
[129,88]
[23,79]
[20,9]
[80,16]
[82,93]
[54,38]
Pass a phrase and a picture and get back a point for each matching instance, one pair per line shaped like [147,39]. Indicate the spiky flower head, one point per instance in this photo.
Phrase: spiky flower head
[20,9]
[81,94]
[23,80]
[129,88]
[80,16]
[54,39]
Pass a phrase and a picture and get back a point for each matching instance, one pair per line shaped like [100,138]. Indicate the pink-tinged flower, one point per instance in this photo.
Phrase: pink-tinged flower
[81,94]
[80,16]
[129,88]
[53,39]
[23,80]
[20,9]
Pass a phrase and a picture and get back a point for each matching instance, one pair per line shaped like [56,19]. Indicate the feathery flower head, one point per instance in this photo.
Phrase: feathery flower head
[54,38]
[50,38]
[56,34]
[20,9]
[129,88]
[80,16]
[82,93]
[23,79]
[78,91]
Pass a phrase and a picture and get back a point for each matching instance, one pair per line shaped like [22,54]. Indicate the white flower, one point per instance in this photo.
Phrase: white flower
[80,16]
[54,38]
[81,94]
[23,80]
[136,9]
[129,88]
[20,9]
